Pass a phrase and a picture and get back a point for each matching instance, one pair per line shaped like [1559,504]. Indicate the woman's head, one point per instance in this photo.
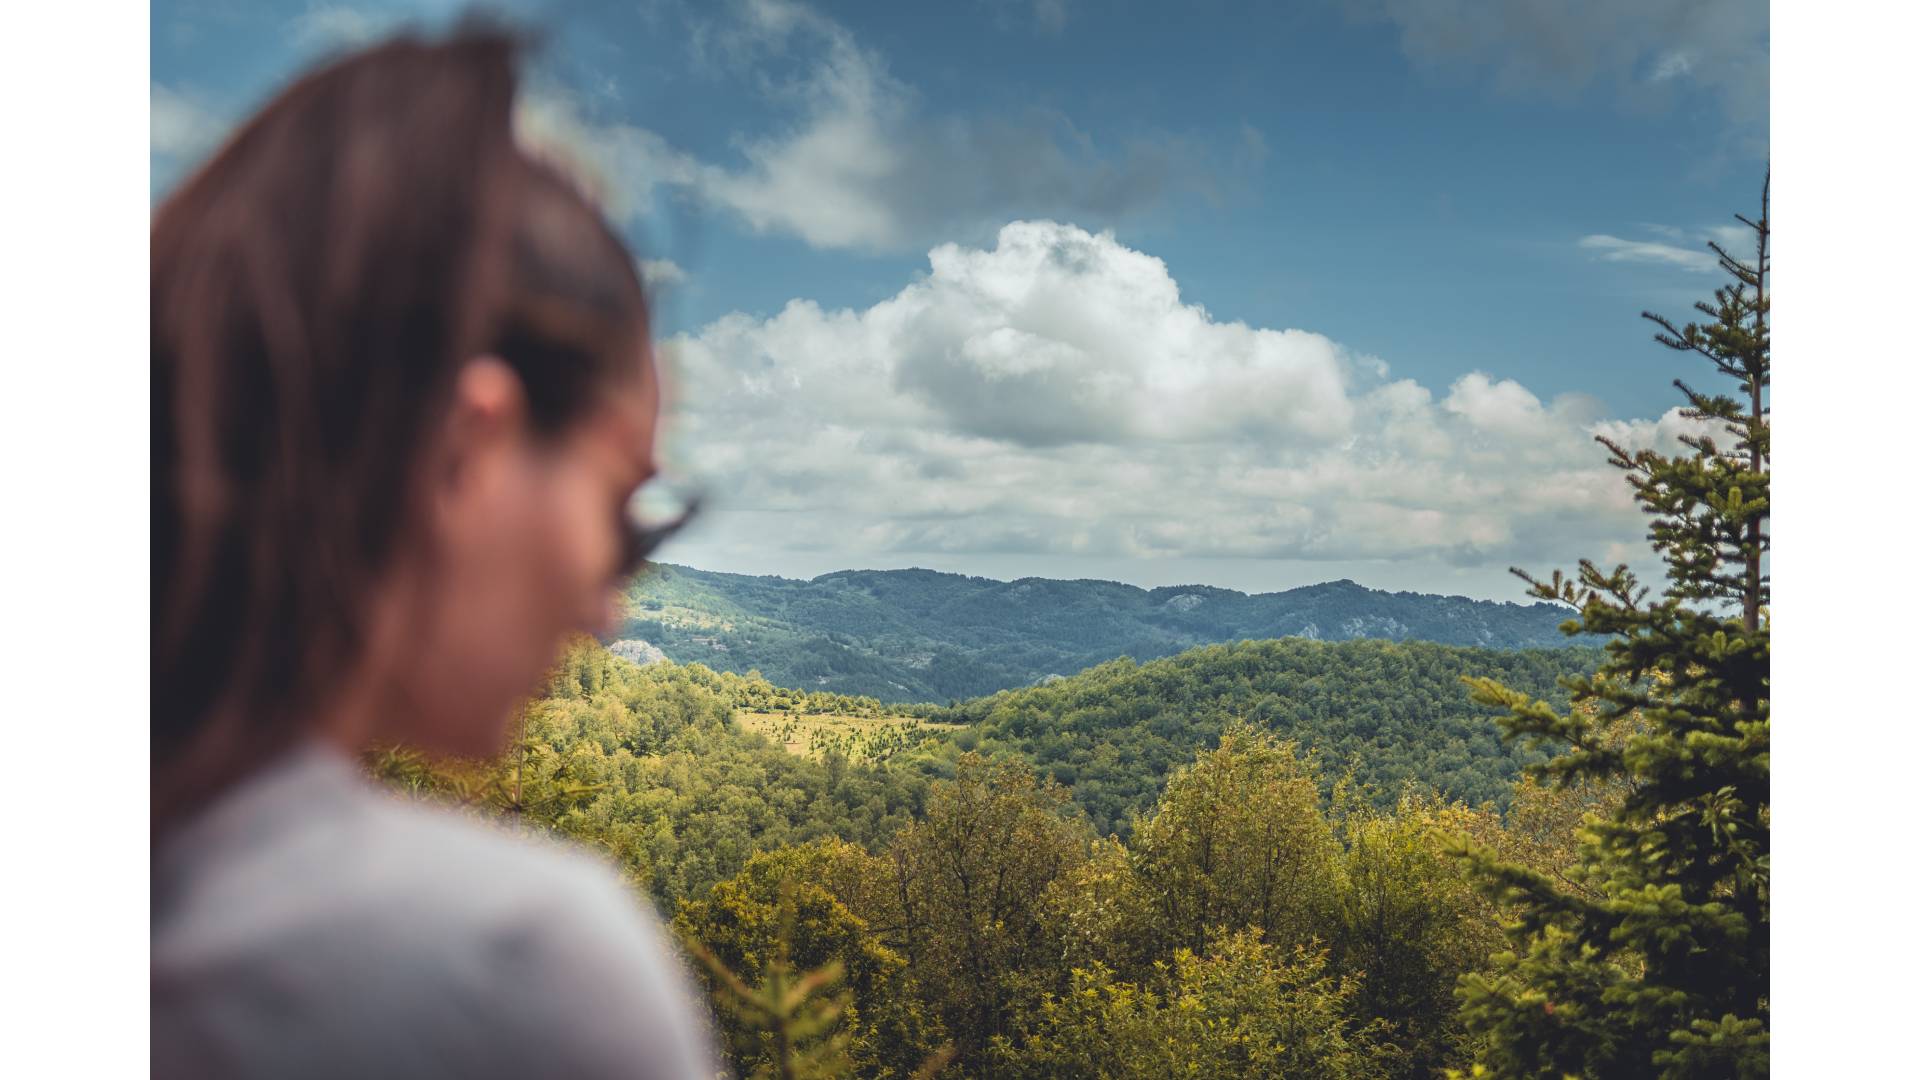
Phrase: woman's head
[402,394]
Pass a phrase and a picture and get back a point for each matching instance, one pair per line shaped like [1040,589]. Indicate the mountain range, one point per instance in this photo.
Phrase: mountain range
[927,636]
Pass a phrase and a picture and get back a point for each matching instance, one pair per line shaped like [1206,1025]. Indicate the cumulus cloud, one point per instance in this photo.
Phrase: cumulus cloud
[1562,46]
[1055,336]
[862,165]
[1055,395]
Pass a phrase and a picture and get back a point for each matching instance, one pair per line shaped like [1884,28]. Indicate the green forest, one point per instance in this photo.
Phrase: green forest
[651,764]
[1386,715]
[1275,857]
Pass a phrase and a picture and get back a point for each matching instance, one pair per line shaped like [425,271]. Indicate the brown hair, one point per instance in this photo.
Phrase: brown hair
[316,287]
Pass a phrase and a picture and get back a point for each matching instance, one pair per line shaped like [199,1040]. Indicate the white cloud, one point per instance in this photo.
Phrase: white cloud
[820,180]
[661,273]
[1504,409]
[1662,434]
[182,129]
[1053,395]
[1054,337]
[625,167]
[180,126]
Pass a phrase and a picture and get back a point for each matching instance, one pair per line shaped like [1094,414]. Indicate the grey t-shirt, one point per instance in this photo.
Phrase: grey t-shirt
[311,924]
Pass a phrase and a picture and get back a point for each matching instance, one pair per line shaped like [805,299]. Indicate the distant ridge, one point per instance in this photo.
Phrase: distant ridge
[928,635]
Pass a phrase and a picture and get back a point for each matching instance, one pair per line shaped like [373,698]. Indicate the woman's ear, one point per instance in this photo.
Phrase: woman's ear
[488,415]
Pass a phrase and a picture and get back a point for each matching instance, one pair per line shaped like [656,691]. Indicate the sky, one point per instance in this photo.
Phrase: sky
[1246,295]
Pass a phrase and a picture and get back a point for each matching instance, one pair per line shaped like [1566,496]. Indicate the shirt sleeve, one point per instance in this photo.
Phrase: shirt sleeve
[594,987]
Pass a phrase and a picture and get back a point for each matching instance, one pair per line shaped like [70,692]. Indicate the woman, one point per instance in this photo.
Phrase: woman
[402,399]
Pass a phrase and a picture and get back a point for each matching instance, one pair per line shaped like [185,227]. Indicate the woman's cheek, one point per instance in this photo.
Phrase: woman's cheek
[612,609]
[591,549]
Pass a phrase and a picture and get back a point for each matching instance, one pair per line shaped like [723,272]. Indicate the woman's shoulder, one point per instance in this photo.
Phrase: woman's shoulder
[384,924]
[312,839]
[314,853]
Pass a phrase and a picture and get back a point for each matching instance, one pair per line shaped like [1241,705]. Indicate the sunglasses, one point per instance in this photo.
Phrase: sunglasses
[642,537]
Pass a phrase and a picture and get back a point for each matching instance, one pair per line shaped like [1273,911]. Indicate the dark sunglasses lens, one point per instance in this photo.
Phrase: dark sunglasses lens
[643,539]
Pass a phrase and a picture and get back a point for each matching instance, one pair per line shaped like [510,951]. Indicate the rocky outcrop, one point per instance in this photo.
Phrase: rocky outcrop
[638,651]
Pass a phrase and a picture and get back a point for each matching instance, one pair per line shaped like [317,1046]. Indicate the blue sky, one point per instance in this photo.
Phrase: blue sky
[1252,295]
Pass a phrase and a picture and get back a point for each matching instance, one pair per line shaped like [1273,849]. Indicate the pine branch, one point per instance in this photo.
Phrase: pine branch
[1734,266]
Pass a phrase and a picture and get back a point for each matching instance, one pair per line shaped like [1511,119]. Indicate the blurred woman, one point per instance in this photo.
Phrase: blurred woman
[402,399]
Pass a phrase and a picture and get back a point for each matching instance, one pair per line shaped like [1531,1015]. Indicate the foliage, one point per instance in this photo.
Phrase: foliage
[1653,959]
[971,878]
[1006,922]
[1239,840]
[1100,913]
[1240,1008]
[1542,824]
[942,932]
[1392,712]
[853,738]
[793,1023]
[1407,923]
[647,765]
[781,915]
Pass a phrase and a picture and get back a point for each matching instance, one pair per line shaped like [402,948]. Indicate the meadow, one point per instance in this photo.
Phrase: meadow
[865,739]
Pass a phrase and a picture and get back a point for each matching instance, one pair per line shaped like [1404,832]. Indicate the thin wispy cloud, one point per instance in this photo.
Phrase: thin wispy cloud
[1045,17]
[1685,249]
[863,165]
[855,160]
[1615,249]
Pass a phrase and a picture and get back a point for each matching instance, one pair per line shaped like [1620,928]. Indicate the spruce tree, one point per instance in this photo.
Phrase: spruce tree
[1656,964]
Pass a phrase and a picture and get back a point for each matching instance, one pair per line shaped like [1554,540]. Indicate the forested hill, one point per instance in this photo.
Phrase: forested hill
[657,763]
[1386,713]
[921,635]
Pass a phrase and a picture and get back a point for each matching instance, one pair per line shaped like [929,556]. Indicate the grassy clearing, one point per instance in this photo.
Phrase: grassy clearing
[862,738]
